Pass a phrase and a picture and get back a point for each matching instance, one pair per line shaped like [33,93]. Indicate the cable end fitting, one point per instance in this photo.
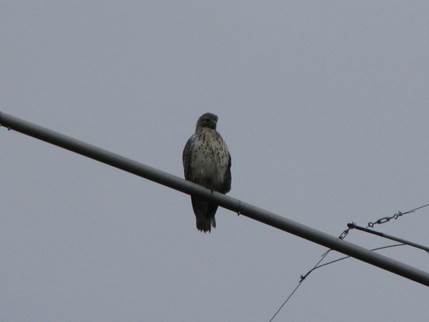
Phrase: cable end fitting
[351,225]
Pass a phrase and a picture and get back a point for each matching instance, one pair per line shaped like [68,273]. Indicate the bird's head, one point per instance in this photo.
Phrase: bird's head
[208,120]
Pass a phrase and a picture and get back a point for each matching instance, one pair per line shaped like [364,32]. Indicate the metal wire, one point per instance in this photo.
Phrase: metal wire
[343,235]
[285,301]
[387,236]
[395,216]
[346,257]
[304,276]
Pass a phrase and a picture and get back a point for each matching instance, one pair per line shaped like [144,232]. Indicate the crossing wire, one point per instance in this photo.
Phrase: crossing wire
[371,224]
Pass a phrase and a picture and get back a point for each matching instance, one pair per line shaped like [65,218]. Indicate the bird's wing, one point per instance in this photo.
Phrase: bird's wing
[186,156]
[227,179]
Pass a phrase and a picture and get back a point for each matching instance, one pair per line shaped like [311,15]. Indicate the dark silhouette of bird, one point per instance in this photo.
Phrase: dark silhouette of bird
[207,162]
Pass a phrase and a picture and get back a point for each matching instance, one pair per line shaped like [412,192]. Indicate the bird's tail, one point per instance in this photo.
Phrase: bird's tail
[204,224]
[205,214]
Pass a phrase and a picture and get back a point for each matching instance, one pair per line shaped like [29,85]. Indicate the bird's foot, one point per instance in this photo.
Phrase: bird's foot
[239,209]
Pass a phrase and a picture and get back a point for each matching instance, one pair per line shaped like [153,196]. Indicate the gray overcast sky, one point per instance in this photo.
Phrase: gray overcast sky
[324,106]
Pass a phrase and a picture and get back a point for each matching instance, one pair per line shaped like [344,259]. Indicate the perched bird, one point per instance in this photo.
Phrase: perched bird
[206,161]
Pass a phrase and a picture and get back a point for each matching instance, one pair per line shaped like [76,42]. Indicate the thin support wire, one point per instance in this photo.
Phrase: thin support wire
[304,276]
[287,300]
[387,236]
[342,236]
[395,216]
[346,257]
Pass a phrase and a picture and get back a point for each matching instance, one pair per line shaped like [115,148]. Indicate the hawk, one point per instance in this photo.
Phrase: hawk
[207,162]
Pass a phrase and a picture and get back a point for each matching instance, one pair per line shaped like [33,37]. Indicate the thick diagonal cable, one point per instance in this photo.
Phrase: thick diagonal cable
[246,209]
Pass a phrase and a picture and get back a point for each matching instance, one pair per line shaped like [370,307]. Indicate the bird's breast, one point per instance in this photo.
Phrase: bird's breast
[209,161]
